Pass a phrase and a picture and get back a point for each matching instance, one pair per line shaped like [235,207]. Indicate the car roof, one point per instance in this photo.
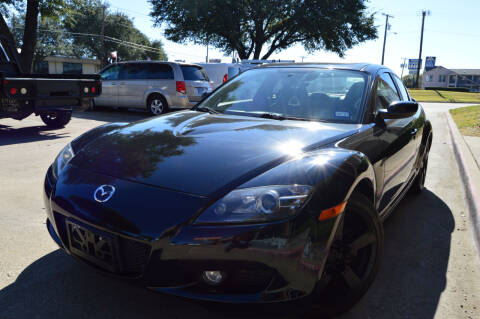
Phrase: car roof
[365,67]
[157,61]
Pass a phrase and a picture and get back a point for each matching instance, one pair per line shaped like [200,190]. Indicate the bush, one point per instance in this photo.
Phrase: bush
[448,89]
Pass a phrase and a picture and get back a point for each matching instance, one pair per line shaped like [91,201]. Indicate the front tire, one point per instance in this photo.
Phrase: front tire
[156,104]
[418,184]
[56,119]
[353,260]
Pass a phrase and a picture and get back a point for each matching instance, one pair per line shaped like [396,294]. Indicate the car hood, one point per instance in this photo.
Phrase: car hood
[201,153]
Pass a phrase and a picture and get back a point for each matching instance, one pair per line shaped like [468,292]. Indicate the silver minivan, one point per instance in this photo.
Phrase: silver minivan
[156,86]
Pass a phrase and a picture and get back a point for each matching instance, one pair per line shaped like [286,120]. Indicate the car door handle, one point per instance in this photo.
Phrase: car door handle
[414,132]
[114,83]
[122,83]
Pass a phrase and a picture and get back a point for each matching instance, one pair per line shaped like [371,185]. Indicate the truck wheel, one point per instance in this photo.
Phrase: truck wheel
[56,119]
[156,104]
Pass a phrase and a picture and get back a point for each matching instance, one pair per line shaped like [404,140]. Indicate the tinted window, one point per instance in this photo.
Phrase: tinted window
[72,68]
[134,71]
[386,92]
[315,94]
[401,87]
[111,73]
[193,73]
[160,71]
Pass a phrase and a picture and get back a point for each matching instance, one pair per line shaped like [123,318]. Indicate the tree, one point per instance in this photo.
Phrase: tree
[34,8]
[84,20]
[247,26]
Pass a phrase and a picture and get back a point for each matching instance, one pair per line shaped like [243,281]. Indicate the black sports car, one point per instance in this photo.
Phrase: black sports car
[273,188]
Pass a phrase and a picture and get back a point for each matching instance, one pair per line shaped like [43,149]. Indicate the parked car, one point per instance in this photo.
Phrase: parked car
[152,85]
[219,73]
[273,188]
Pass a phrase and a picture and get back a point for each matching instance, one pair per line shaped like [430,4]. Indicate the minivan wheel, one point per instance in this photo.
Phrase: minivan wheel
[353,261]
[156,104]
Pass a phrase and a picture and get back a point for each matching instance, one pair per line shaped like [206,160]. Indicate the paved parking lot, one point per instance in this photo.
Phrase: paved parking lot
[430,267]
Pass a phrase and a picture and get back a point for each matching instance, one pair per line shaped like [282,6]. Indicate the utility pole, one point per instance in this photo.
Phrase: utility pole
[206,58]
[424,13]
[403,67]
[385,36]
[102,60]
[303,57]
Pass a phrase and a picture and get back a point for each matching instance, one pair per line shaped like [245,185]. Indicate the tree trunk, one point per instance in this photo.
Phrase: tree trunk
[29,35]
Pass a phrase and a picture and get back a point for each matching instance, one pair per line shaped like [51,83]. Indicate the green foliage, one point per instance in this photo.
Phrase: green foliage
[85,16]
[467,119]
[246,26]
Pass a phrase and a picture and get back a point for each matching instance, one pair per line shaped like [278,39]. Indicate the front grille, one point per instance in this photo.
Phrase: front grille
[134,255]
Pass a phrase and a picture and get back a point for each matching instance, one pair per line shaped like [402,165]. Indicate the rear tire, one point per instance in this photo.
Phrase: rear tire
[353,260]
[156,104]
[56,119]
[418,184]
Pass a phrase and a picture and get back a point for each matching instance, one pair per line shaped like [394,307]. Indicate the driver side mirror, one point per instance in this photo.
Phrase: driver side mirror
[399,110]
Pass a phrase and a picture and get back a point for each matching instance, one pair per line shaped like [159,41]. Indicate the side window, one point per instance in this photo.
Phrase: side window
[110,74]
[134,71]
[386,92]
[401,87]
[160,72]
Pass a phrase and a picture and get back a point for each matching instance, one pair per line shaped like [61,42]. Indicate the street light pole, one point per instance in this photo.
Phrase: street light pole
[385,35]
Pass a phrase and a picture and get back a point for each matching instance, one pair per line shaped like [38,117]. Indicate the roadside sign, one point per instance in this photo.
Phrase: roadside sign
[430,62]
[413,64]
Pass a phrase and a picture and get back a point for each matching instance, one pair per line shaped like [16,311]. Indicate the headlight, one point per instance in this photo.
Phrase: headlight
[62,160]
[258,204]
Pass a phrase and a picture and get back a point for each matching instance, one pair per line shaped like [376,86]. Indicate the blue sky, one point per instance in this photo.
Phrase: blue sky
[452,34]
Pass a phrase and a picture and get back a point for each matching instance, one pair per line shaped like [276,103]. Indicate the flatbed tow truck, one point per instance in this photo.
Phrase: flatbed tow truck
[53,97]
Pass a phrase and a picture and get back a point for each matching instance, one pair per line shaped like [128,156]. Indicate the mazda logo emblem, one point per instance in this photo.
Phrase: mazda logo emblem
[104,193]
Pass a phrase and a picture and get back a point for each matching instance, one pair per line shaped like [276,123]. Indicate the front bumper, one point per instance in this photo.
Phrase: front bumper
[262,263]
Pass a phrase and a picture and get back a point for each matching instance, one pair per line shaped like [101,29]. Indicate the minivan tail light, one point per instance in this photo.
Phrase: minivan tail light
[181,87]
[225,78]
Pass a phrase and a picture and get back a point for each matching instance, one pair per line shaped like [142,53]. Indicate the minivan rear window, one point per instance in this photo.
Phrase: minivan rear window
[193,73]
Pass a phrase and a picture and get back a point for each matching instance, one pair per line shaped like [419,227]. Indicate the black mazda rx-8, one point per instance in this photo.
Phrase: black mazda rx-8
[273,188]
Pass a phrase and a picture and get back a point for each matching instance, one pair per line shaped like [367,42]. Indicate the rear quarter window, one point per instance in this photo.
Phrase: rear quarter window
[193,73]
[160,72]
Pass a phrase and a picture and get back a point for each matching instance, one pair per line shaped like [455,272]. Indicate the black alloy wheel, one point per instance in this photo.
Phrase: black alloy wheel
[56,119]
[353,261]
[419,183]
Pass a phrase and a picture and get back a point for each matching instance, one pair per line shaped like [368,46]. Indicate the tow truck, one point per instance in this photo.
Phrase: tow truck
[53,97]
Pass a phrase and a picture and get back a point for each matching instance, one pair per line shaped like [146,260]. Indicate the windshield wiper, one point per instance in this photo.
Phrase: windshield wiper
[206,109]
[279,117]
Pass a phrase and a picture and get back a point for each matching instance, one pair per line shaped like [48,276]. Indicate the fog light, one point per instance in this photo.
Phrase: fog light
[213,277]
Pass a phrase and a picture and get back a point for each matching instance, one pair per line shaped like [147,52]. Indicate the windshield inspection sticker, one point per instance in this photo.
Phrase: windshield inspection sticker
[342,114]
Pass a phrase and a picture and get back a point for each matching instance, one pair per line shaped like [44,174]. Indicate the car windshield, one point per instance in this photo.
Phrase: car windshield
[298,93]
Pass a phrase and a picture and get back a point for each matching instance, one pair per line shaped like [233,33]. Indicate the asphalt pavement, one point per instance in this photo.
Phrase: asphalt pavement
[430,267]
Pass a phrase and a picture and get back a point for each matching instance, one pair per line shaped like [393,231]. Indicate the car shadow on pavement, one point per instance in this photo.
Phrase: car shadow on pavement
[409,284]
[412,276]
[105,114]
[10,135]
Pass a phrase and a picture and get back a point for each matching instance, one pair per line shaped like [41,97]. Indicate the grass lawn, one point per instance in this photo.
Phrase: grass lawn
[445,96]
[467,119]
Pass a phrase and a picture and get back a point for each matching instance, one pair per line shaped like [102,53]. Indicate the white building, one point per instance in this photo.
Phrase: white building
[66,65]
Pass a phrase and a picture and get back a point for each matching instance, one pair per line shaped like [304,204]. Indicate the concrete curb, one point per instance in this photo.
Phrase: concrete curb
[470,174]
